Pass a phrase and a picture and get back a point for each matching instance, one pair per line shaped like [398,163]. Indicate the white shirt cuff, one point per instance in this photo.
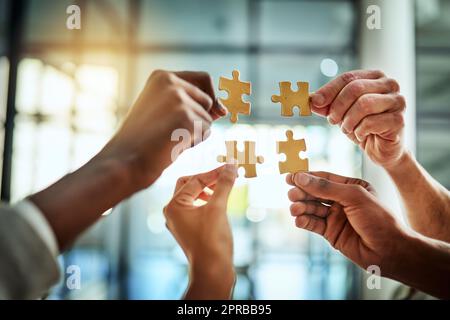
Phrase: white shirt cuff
[39,223]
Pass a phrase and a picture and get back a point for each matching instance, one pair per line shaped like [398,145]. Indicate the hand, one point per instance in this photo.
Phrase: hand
[369,109]
[346,212]
[136,155]
[169,101]
[203,232]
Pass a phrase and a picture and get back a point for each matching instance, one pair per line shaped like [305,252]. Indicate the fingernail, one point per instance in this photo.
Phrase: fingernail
[344,130]
[221,107]
[318,100]
[331,120]
[303,179]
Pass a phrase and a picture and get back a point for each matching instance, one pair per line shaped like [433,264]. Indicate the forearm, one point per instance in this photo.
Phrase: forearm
[424,264]
[427,203]
[77,200]
[210,281]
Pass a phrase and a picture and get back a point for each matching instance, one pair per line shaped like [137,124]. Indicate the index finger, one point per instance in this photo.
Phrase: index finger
[203,81]
[341,179]
[195,184]
[327,93]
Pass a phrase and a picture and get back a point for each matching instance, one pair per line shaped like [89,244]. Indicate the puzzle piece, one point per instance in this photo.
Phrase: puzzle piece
[235,89]
[289,99]
[291,148]
[246,159]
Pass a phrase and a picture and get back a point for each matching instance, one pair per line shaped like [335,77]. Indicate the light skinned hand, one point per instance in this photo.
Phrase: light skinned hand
[203,232]
[369,110]
[169,101]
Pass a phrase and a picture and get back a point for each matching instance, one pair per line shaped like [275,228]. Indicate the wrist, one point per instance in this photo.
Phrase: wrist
[127,165]
[212,269]
[116,170]
[408,244]
[78,199]
[213,280]
[400,164]
[424,264]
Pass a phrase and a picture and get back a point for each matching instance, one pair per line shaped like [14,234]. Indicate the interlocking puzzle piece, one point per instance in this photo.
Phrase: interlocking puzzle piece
[290,99]
[235,89]
[291,148]
[246,159]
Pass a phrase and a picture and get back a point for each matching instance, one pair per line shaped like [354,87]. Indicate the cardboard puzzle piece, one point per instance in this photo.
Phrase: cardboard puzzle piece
[246,159]
[235,89]
[291,148]
[290,99]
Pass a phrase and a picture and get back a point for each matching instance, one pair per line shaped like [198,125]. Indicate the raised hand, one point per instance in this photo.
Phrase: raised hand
[346,212]
[169,101]
[203,232]
[369,109]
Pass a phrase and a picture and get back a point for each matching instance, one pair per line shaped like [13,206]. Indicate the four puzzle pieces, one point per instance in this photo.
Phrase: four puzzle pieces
[246,159]
[291,148]
[290,99]
[235,89]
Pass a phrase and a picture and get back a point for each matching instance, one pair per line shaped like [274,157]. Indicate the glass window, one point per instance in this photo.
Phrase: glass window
[433,153]
[4,4]
[202,22]
[45,22]
[433,96]
[329,23]
[433,74]
[433,23]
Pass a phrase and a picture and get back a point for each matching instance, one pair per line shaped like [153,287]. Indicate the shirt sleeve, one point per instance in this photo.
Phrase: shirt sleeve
[28,249]
[31,214]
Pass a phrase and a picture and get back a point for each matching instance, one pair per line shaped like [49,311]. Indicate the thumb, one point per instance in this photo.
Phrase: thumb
[319,187]
[224,185]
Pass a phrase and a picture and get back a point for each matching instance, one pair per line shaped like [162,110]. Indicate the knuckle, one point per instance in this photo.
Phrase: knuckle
[169,78]
[322,183]
[157,74]
[378,73]
[205,76]
[177,94]
[292,208]
[299,223]
[163,76]
[183,117]
[358,189]
[227,178]
[399,120]
[367,126]
[292,194]
[347,125]
[348,76]
[167,209]
[356,88]
[392,84]
[361,182]
[400,101]
[309,224]
[365,103]
[182,179]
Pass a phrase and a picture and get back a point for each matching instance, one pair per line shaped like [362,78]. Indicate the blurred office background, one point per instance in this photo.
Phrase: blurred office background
[66,92]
